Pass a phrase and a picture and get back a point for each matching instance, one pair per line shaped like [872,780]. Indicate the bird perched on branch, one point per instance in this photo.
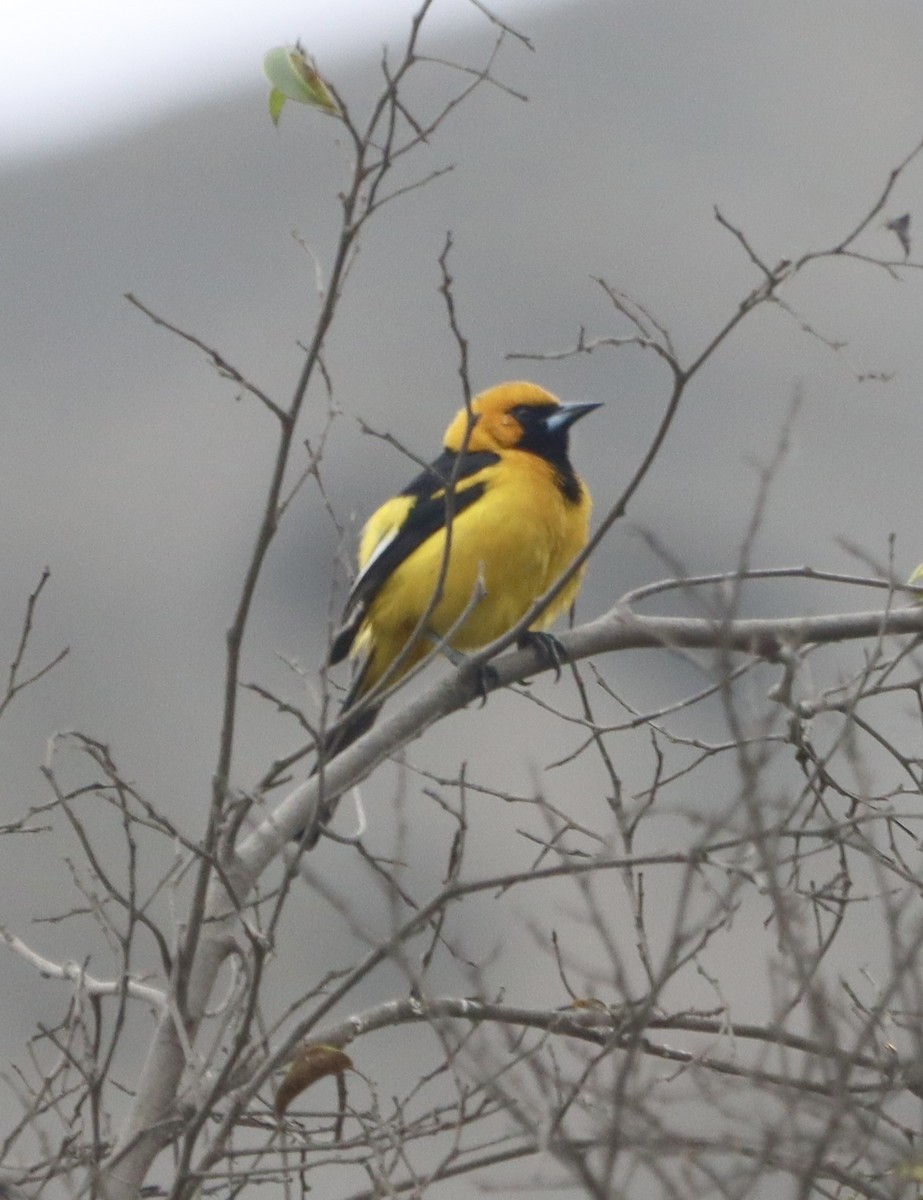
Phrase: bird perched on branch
[459,557]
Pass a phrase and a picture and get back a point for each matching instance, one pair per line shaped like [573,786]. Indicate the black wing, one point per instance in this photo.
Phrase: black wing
[426,517]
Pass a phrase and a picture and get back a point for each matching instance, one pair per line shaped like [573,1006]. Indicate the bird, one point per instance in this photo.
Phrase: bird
[506,501]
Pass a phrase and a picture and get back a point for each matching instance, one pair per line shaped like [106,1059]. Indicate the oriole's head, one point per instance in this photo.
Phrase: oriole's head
[515,416]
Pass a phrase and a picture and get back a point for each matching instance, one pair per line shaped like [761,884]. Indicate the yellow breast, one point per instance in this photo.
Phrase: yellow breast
[506,550]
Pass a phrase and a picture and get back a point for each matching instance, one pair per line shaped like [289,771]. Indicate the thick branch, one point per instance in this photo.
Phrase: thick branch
[617,630]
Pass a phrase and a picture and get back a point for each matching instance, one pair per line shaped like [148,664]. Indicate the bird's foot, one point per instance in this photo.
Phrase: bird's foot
[486,677]
[549,649]
[487,681]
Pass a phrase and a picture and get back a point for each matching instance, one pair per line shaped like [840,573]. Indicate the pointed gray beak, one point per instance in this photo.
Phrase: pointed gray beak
[566,414]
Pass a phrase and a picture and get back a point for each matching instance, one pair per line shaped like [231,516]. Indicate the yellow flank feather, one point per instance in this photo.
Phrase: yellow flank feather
[504,555]
[518,515]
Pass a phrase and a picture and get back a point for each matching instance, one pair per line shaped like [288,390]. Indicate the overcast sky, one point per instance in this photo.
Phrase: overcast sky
[70,71]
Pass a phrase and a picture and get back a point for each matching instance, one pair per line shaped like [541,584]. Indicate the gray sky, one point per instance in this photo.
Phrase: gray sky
[69,71]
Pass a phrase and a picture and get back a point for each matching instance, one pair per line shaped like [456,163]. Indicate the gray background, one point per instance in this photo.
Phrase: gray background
[131,469]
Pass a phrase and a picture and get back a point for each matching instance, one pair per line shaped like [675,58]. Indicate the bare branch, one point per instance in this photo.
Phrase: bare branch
[222,366]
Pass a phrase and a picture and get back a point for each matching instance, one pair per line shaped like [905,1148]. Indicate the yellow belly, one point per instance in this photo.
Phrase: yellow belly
[504,555]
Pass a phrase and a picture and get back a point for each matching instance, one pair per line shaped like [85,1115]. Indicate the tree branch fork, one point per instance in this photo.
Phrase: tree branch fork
[770,638]
[773,639]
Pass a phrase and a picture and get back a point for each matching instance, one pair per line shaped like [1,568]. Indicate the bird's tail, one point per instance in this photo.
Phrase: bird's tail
[348,729]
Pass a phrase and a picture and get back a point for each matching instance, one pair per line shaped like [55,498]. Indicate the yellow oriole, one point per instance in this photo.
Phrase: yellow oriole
[516,514]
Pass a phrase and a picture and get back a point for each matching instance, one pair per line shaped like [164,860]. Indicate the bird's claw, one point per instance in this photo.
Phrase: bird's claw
[549,649]
[486,677]
[487,680]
